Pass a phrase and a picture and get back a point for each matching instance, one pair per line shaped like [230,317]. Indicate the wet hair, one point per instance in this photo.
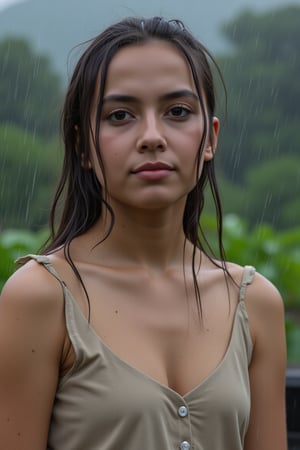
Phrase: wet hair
[82,197]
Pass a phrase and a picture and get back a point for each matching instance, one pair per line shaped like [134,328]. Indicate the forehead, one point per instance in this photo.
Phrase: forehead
[150,66]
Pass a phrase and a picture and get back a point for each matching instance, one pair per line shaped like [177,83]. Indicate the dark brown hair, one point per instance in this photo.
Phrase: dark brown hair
[79,192]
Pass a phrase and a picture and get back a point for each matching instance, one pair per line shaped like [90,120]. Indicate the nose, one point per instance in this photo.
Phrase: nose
[151,136]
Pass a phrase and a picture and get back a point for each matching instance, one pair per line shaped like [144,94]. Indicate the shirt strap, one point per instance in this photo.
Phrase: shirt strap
[248,276]
[45,261]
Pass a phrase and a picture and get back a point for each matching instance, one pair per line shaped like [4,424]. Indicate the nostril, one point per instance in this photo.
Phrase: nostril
[151,144]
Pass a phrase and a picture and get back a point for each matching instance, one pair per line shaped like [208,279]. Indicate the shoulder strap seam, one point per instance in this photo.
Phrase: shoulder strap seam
[44,261]
[248,275]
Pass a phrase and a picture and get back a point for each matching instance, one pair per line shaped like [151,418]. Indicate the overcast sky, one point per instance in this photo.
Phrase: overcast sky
[6,3]
[57,26]
[228,5]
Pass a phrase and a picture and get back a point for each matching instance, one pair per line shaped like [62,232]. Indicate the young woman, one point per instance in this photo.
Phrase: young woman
[126,334]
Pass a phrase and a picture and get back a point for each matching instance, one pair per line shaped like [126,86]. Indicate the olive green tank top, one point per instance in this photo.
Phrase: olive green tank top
[103,403]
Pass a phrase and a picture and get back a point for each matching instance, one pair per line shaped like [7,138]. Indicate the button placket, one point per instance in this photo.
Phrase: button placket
[184,427]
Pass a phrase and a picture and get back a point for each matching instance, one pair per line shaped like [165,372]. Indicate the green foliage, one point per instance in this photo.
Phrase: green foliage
[269,193]
[274,190]
[31,98]
[30,90]
[29,169]
[263,116]
[15,243]
[292,340]
[262,125]
[274,254]
[254,30]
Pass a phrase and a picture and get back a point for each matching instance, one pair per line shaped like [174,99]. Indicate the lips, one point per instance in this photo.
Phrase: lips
[152,166]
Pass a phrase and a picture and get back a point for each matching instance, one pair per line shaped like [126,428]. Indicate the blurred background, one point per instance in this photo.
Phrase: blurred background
[257,47]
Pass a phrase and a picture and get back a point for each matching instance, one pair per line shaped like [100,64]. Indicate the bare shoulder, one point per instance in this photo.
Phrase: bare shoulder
[261,293]
[264,303]
[32,305]
[32,336]
[32,286]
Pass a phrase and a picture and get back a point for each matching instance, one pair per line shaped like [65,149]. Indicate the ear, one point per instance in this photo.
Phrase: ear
[210,149]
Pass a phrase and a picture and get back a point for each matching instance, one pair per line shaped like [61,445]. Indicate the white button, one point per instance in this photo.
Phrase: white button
[182,411]
[185,445]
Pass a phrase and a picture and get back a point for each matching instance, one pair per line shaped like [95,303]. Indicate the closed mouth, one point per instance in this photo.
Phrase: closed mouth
[152,166]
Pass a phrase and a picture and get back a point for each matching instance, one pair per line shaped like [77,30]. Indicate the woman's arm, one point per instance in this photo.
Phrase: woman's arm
[31,340]
[267,427]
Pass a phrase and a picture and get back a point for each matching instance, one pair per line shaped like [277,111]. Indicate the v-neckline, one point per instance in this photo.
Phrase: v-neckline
[128,366]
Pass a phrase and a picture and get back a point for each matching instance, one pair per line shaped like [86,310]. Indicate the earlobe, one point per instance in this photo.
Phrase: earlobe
[210,150]
[208,153]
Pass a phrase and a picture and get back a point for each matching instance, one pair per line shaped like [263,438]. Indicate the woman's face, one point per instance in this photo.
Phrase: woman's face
[151,127]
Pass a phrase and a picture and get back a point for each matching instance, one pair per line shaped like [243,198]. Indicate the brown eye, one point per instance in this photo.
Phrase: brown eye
[179,111]
[119,116]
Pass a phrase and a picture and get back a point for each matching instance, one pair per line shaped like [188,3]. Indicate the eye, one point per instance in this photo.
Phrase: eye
[179,111]
[119,116]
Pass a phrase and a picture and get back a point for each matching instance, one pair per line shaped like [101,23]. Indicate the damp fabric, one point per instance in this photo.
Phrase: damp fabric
[104,403]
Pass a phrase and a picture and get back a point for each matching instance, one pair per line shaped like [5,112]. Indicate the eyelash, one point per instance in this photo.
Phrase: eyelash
[183,109]
[118,111]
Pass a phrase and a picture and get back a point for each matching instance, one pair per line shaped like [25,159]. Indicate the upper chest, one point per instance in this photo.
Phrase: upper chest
[152,323]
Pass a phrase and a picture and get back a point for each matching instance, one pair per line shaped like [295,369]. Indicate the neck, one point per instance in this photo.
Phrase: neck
[153,239]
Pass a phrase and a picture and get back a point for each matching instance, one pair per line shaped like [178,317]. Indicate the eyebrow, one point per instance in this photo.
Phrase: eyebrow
[168,96]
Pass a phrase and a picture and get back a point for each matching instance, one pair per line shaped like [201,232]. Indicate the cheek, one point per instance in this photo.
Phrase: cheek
[193,134]
[112,146]
[190,144]
[113,160]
